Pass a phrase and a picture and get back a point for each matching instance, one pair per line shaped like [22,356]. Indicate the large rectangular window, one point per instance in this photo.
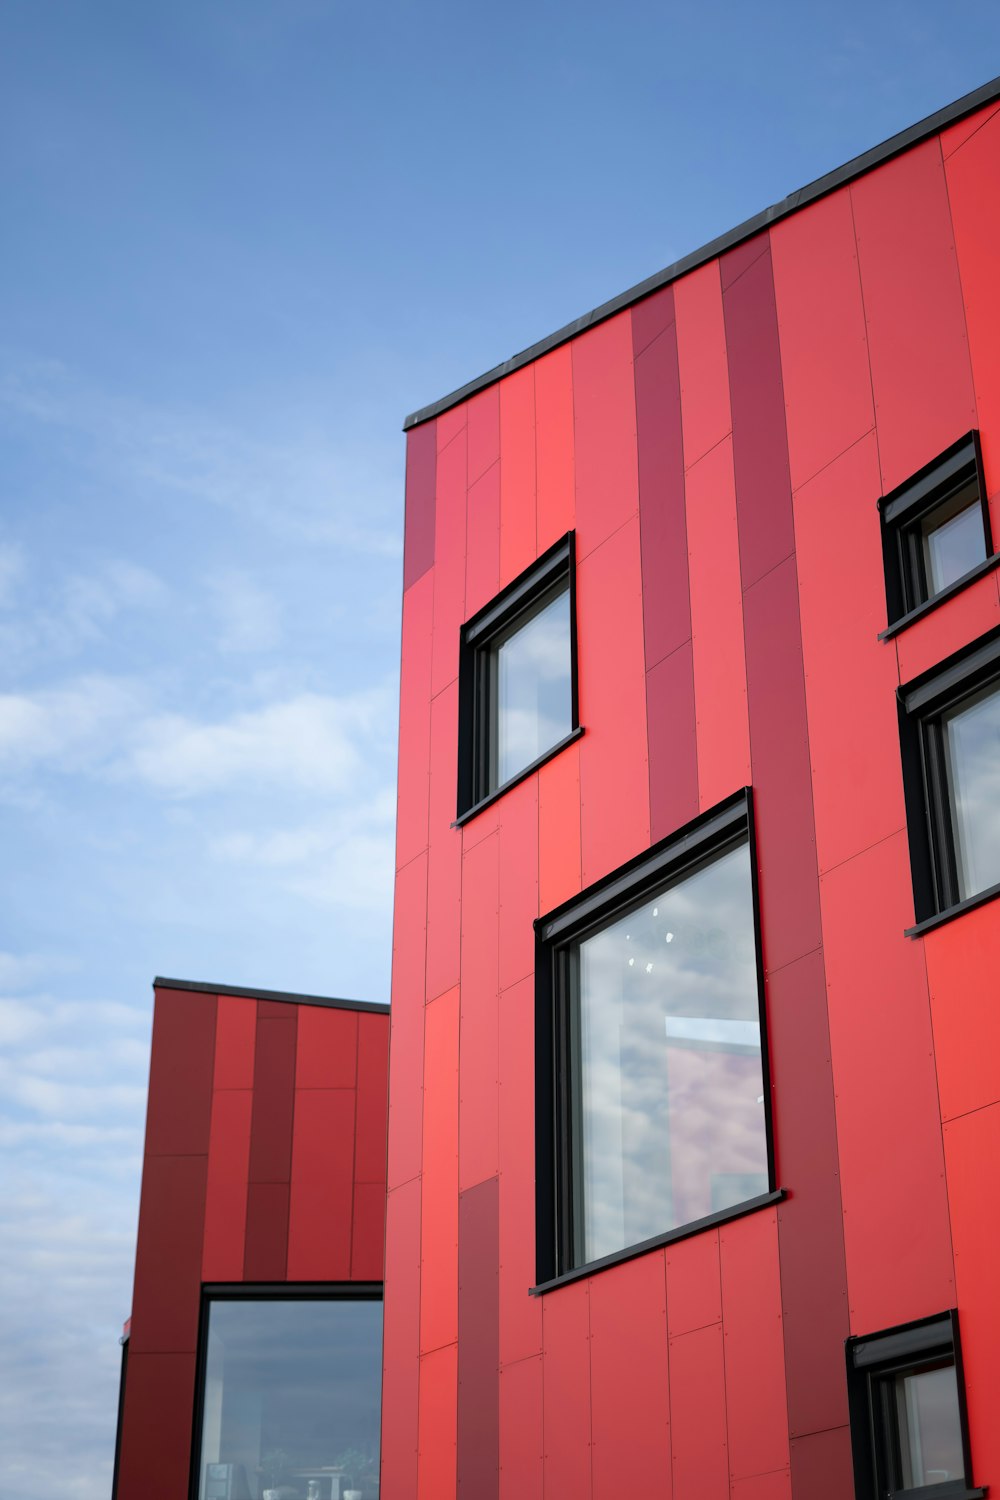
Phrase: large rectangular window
[652,1064]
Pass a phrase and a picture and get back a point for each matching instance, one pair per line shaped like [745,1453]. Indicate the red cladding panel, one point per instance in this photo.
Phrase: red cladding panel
[554,456]
[478,1108]
[559,875]
[566,1407]
[273,1098]
[822,1465]
[698,1415]
[963,961]
[156,1430]
[449,562]
[756,1413]
[628,1329]
[401,1346]
[326,1050]
[478,1342]
[436,1458]
[406,1047]
[226,1203]
[482,561]
[607,485]
[444,866]
[168,1254]
[774,1486]
[483,418]
[694,1283]
[518,881]
[235,1041]
[373,1069]
[439,1214]
[899,1263]
[517,474]
[956,135]
[917,343]
[738,261]
[179,1111]
[414,722]
[319,1211]
[613,786]
[368,1235]
[520,1315]
[701,349]
[521,1430]
[418,546]
[266,1257]
[948,627]
[673,745]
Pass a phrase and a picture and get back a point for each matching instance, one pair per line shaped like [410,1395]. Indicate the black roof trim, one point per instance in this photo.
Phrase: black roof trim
[331,1002]
[818,189]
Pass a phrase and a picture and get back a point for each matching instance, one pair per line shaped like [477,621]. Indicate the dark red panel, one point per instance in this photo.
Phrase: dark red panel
[401,1346]
[181,1066]
[763,489]
[436,1471]
[520,1315]
[168,1254]
[444,865]
[373,1072]
[235,1040]
[554,455]
[701,352]
[518,881]
[822,1466]
[756,1413]
[421,462]
[369,1231]
[521,1430]
[566,1408]
[694,1283]
[326,1050]
[449,562]
[698,1414]
[273,1098]
[478,1108]
[666,613]
[478,1342]
[673,744]
[739,260]
[409,946]
[414,721]
[607,487]
[439,1206]
[156,1430]
[628,1347]
[483,417]
[226,1203]
[319,1210]
[273,1010]
[518,546]
[482,561]
[963,961]
[266,1257]
[559,872]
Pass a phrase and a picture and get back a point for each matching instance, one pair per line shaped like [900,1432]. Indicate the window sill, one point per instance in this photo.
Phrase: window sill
[529,770]
[951,912]
[724,1216]
[929,605]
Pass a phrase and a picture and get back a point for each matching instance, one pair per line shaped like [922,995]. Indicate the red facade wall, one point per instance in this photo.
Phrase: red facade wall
[718,448]
[264,1162]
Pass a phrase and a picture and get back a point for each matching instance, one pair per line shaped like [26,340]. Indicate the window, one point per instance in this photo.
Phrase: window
[517,679]
[290,1394]
[652,1109]
[907,1403]
[950,736]
[935,531]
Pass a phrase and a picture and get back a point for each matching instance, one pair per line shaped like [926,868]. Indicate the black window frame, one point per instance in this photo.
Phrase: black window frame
[922,705]
[476,730]
[557,935]
[873,1360]
[903,512]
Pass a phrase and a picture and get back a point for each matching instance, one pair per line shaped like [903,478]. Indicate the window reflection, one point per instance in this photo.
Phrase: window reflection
[972,741]
[292,1400]
[532,682]
[929,1426]
[953,539]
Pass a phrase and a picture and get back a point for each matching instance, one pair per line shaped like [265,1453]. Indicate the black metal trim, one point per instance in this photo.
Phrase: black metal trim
[121,1418]
[929,605]
[951,912]
[522,775]
[819,188]
[331,1002]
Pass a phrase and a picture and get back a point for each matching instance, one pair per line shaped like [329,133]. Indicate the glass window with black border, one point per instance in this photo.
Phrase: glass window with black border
[517,680]
[652,1093]
[909,1429]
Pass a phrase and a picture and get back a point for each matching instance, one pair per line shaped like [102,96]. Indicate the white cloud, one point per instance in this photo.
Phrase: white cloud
[249,616]
[71,726]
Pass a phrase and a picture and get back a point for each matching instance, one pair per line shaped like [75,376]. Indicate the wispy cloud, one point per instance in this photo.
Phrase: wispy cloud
[249,615]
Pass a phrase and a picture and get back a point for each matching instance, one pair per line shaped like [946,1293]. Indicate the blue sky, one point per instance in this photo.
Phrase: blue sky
[241,239]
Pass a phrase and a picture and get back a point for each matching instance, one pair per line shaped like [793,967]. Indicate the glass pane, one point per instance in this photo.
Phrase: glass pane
[972,747]
[953,540]
[534,707]
[671,1101]
[930,1430]
[292,1401]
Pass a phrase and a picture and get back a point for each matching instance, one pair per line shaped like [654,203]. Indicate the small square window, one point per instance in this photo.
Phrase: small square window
[935,530]
[517,679]
[907,1403]
[950,737]
[652,1093]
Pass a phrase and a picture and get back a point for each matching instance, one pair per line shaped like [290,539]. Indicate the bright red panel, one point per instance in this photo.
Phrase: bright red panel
[822,1466]
[407,1018]
[917,344]
[520,1315]
[559,875]
[449,562]
[481,826]
[821,329]
[554,457]
[418,545]
[226,1201]
[694,1283]
[444,865]
[756,1411]
[478,1342]
[956,135]
[517,473]
[698,1415]
[156,1430]
[401,1343]
[949,627]
[321,1201]
[266,1257]
[566,1409]
[436,1450]
[899,1262]
[478,1107]
[368,1235]
[168,1254]
[235,1040]
[326,1049]
[273,1098]
[449,424]
[701,350]
[414,721]
[521,1430]
[628,1376]
[963,961]
[613,786]
[179,1109]
[482,561]
[774,1486]
[607,487]
[719,662]
[518,880]
[483,417]
[439,1218]
[673,744]
[842,605]
[373,1070]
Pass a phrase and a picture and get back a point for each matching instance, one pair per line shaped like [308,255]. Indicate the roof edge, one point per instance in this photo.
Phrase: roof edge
[856,167]
[331,1002]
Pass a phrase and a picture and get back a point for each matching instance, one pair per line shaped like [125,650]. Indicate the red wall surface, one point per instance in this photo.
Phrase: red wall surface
[719,448]
[265,1162]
